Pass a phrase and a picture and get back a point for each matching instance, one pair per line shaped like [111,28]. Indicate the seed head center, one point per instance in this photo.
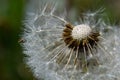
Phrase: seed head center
[81,31]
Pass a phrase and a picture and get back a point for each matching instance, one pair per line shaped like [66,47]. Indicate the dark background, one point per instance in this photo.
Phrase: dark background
[12,66]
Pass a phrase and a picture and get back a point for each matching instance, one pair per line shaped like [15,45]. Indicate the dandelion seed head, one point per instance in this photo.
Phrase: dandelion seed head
[62,52]
[81,31]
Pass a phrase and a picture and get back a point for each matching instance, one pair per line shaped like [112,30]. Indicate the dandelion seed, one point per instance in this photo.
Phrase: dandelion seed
[60,50]
[79,36]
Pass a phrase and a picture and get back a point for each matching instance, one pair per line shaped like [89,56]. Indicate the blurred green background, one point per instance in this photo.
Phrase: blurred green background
[12,66]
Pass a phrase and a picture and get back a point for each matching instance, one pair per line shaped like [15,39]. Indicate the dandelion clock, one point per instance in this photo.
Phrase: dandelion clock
[59,49]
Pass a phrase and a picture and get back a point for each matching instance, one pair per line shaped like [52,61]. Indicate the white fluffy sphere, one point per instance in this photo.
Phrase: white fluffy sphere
[81,31]
[42,32]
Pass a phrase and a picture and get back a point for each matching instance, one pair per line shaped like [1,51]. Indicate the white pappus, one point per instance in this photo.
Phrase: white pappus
[59,50]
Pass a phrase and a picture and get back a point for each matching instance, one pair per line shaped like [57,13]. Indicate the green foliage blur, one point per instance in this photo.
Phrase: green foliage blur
[12,65]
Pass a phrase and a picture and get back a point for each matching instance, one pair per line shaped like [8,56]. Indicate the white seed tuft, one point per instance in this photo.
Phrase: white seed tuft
[42,35]
[81,31]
